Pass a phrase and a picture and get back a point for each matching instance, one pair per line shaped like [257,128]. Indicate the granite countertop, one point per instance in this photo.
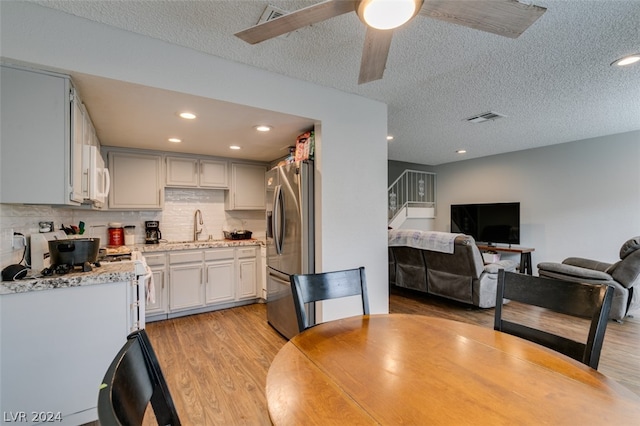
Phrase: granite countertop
[106,273]
[114,271]
[191,245]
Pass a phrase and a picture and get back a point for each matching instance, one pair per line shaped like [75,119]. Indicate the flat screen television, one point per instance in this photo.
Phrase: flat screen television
[495,223]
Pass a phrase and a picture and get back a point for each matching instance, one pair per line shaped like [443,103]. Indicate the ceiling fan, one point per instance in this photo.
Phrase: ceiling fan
[508,18]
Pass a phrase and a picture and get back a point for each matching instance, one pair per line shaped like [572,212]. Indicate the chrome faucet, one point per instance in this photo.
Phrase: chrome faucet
[197,231]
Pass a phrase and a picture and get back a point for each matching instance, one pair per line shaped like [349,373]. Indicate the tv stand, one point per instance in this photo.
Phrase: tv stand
[525,255]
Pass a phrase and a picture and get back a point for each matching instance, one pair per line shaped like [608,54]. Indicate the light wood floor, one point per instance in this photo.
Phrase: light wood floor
[216,363]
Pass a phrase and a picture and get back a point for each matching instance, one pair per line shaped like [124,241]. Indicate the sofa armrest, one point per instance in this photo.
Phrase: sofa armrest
[507,265]
[587,263]
[573,271]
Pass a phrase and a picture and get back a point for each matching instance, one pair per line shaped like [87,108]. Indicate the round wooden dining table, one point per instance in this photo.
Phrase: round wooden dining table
[418,370]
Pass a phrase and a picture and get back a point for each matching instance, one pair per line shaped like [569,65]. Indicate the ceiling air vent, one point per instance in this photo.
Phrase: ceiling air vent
[480,118]
[270,13]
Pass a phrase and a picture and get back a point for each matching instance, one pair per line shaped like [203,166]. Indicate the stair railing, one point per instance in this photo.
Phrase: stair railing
[413,188]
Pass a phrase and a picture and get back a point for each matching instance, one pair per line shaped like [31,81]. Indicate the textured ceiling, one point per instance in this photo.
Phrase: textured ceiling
[554,83]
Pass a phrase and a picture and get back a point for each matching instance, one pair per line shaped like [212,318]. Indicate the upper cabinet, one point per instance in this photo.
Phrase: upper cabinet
[213,174]
[136,181]
[37,128]
[245,182]
[193,172]
[44,126]
[80,185]
[247,190]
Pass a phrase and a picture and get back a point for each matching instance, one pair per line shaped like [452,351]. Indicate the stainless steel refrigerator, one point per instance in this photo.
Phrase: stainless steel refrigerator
[290,240]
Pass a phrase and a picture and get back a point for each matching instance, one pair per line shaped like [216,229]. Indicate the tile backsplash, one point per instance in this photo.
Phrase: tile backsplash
[176,219]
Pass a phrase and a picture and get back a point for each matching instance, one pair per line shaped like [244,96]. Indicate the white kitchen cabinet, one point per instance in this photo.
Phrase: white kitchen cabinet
[83,135]
[213,174]
[79,178]
[203,280]
[158,265]
[90,137]
[262,273]
[247,189]
[182,172]
[247,266]
[186,289]
[220,275]
[36,132]
[136,181]
[56,347]
[196,172]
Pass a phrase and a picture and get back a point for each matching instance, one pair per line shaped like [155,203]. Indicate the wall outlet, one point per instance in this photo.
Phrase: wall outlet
[18,242]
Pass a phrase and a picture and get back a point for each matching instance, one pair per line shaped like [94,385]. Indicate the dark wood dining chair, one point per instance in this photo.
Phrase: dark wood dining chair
[571,298]
[134,379]
[308,288]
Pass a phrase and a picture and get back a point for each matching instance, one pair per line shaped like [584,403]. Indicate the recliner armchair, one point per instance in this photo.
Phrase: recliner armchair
[623,276]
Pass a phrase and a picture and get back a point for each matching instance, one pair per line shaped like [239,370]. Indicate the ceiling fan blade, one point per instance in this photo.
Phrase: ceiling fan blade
[508,18]
[296,20]
[374,54]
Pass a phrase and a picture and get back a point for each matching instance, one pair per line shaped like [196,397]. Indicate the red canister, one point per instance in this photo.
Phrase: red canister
[116,234]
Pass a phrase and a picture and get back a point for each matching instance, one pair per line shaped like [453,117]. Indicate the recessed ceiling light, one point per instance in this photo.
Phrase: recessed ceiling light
[389,138]
[461,151]
[187,115]
[627,60]
[263,128]
[234,147]
[175,140]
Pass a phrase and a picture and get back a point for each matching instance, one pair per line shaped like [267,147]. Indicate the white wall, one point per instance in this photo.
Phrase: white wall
[577,199]
[352,148]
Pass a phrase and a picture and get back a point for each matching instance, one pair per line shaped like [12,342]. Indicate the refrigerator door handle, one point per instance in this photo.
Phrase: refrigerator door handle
[280,278]
[278,219]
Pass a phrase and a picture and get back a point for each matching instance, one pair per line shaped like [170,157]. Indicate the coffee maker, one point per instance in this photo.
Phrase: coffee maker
[153,234]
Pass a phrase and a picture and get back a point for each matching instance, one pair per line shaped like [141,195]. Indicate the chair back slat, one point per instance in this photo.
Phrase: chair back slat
[308,288]
[570,298]
[134,379]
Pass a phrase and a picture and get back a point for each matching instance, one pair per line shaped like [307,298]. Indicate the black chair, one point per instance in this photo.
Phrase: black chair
[570,298]
[132,381]
[308,288]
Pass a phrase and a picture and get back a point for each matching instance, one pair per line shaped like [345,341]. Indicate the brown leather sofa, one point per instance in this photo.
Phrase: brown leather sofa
[460,275]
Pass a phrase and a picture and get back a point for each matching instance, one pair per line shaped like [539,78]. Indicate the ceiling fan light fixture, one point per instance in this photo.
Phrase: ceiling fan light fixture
[387,14]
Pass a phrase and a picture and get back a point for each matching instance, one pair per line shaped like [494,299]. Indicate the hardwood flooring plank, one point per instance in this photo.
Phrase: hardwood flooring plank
[216,363]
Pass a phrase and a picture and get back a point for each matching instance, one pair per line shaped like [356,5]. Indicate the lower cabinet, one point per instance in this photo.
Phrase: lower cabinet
[158,303]
[247,287]
[220,275]
[186,288]
[193,281]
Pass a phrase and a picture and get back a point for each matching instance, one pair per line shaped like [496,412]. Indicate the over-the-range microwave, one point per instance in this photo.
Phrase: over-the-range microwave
[96,188]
